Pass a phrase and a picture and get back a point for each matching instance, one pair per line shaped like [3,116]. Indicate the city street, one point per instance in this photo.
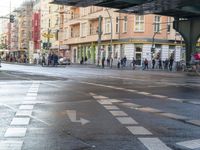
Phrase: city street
[84,108]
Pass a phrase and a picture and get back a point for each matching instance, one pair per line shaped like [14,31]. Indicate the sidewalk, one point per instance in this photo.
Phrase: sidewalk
[114,67]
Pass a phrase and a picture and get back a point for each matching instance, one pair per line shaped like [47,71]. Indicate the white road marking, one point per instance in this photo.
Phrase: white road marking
[100,97]
[92,94]
[173,116]
[176,99]
[30,98]
[111,107]
[193,144]
[118,113]
[126,120]
[32,94]
[104,102]
[138,130]
[144,93]
[154,144]
[24,113]
[149,109]
[26,107]
[20,121]
[15,132]
[131,105]
[29,102]
[11,145]
[158,96]
[194,122]
[114,101]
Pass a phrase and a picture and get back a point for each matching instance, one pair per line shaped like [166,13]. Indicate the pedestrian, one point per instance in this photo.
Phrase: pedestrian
[103,61]
[171,61]
[133,62]
[153,63]
[145,64]
[108,62]
[43,60]
[118,63]
[160,63]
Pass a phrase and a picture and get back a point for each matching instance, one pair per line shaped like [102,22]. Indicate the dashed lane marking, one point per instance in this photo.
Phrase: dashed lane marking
[154,144]
[149,109]
[138,130]
[194,122]
[11,145]
[173,116]
[193,144]
[145,93]
[158,96]
[20,121]
[118,113]
[131,105]
[126,120]
[104,102]
[30,98]
[15,132]
[100,97]
[24,113]
[26,107]
[32,94]
[112,107]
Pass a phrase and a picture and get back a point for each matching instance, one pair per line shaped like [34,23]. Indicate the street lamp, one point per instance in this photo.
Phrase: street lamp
[111,34]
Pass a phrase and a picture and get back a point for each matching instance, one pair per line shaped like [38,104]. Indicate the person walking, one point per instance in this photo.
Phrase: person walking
[103,61]
[145,64]
[118,63]
[171,61]
[153,63]
[133,63]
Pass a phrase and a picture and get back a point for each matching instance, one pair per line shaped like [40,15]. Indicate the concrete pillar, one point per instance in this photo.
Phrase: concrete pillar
[190,31]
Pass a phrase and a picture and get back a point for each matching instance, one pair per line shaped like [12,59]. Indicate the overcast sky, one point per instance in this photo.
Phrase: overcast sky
[5,6]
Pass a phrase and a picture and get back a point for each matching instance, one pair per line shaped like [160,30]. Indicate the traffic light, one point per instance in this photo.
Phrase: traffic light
[12,18]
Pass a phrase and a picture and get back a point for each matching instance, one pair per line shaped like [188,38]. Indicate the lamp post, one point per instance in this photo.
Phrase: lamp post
[111,34]
[99,38]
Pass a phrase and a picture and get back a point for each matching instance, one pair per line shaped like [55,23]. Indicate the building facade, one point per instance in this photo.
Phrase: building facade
[141,37]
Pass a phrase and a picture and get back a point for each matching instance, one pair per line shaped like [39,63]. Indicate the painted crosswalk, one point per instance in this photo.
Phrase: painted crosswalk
[133,126]
[17,129]
[154,144]
[193,144]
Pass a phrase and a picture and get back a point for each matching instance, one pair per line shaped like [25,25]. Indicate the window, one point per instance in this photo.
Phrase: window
[107,25]
[83,29]
[125,24]
[139,23]
[168,24]
[157,25]
[117,24]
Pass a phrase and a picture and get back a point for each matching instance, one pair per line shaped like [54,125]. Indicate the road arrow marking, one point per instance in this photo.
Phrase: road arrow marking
[72,117]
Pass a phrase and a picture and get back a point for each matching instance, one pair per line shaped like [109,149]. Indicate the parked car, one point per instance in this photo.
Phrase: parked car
[64,61]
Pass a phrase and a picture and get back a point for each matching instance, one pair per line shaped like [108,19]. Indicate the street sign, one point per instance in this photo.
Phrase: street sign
[47,35]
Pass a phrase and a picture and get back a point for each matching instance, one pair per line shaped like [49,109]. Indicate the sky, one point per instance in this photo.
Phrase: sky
[5,6]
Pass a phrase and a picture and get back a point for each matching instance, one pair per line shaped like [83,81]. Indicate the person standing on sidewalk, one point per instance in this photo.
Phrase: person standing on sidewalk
[145,64]
[103,61]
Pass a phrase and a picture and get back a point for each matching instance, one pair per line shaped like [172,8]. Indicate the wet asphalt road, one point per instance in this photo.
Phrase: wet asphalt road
[81,108]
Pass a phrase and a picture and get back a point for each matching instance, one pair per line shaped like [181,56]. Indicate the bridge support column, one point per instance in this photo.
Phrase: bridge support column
[190,31]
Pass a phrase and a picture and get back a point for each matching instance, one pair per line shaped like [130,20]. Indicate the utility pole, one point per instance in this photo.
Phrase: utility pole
[111,34]
[99,39]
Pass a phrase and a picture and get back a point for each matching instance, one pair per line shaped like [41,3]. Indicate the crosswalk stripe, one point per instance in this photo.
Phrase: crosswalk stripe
[126,120]
[11,145]
[154,144]
[138,130]
[193,144]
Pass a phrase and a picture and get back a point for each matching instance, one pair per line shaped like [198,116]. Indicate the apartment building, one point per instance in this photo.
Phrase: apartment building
[130,35]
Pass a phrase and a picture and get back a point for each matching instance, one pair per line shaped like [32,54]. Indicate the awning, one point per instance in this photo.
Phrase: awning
[64,47]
